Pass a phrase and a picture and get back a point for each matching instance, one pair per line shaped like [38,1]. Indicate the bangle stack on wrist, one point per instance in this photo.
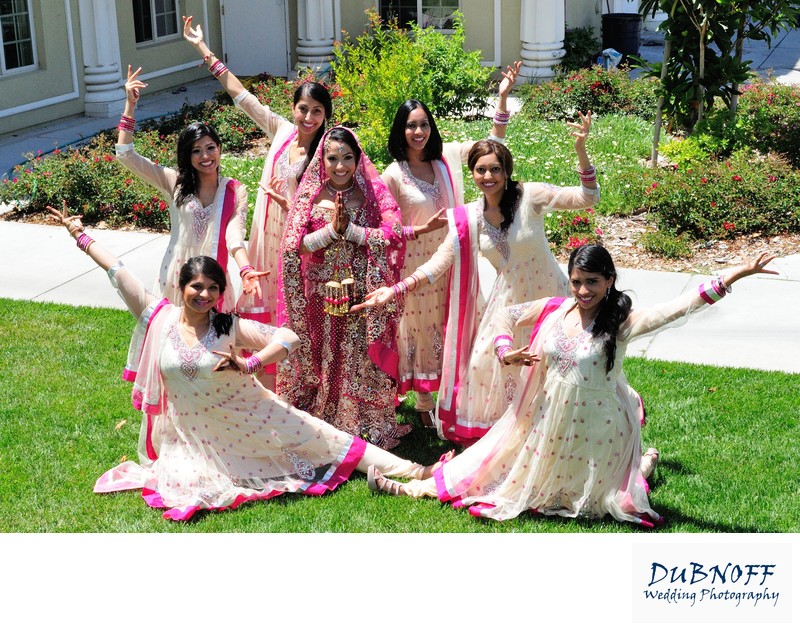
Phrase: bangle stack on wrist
[501,118]
[83,242]
[253,364]
[715,290]
[126,123]
[218,68]
[404,286]
[321,238]
[355,234]
[244,269]
[502,344]
[409,233]
[588,176]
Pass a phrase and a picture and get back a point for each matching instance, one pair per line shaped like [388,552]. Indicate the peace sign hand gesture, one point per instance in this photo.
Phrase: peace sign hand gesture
[133,85]
[72,223]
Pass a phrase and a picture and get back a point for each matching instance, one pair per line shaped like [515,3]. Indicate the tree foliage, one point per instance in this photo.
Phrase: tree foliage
[705,42]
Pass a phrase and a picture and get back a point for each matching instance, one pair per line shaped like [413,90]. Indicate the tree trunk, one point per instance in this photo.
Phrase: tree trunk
[659,106]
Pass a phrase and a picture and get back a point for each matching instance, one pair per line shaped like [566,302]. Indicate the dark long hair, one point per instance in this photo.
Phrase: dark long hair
[187,181]
[319,93]
[207,266]
[616,306]
[397,136]
[513,189]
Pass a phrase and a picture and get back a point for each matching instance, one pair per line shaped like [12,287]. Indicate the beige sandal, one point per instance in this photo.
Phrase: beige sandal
[649,462]
[378,484]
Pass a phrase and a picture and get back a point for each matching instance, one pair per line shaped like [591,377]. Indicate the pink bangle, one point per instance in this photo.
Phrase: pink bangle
[126,123]
[83,242]
[244,269]
[218,68]
[253,364]
[400,289]
[501,351]
[501,118]
[408,233]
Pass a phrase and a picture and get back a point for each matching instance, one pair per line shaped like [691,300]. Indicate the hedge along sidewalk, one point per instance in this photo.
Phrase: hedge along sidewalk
[751,328]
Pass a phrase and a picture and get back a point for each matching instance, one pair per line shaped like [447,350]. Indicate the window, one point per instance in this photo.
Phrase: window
[435,13]
[17,36]
[154,19]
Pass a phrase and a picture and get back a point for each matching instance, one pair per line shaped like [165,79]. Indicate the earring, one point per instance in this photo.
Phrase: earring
[505,188]
[608,291]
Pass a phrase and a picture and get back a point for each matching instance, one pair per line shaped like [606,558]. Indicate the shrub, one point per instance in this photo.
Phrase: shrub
[457,79]
[769,114]
[748,193]
[666,245]
[386,65]
[93,183]
[569,229]
[684,152]
[597,89]
[581,46]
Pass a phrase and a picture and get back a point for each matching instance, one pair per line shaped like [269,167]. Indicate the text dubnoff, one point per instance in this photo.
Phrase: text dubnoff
[738,581]
[743,584]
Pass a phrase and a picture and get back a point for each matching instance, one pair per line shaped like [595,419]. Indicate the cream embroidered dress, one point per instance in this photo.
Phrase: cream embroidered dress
[420,333]
[194,229]
[476,391]
[570,442]
[212,440]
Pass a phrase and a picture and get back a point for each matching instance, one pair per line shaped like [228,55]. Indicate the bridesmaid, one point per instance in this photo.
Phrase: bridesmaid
[292,144]
[207,212]
[425,178]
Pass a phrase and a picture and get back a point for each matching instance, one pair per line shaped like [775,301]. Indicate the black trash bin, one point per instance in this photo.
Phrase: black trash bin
[622,32]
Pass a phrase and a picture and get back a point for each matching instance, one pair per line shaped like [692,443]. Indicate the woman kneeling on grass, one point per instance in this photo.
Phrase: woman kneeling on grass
[568,445]
[212,436]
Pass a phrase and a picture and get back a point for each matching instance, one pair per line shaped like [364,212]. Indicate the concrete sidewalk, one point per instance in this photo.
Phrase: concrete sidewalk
[755,327]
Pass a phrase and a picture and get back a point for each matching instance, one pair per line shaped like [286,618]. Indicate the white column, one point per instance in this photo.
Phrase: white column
[542,35]
[315,34]
[105,91]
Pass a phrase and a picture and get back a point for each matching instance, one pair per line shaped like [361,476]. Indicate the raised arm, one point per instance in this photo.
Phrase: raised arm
[129,287]
[133,86]
[581,132]
[160,177]
[649,319]
[228,80]
[501,114]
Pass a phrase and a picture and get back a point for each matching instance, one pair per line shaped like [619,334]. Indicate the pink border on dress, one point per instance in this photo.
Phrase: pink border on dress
[342,472]
[456,340]
[228,208]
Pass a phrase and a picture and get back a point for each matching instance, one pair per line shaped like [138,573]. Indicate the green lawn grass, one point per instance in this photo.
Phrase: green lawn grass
[728,438]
